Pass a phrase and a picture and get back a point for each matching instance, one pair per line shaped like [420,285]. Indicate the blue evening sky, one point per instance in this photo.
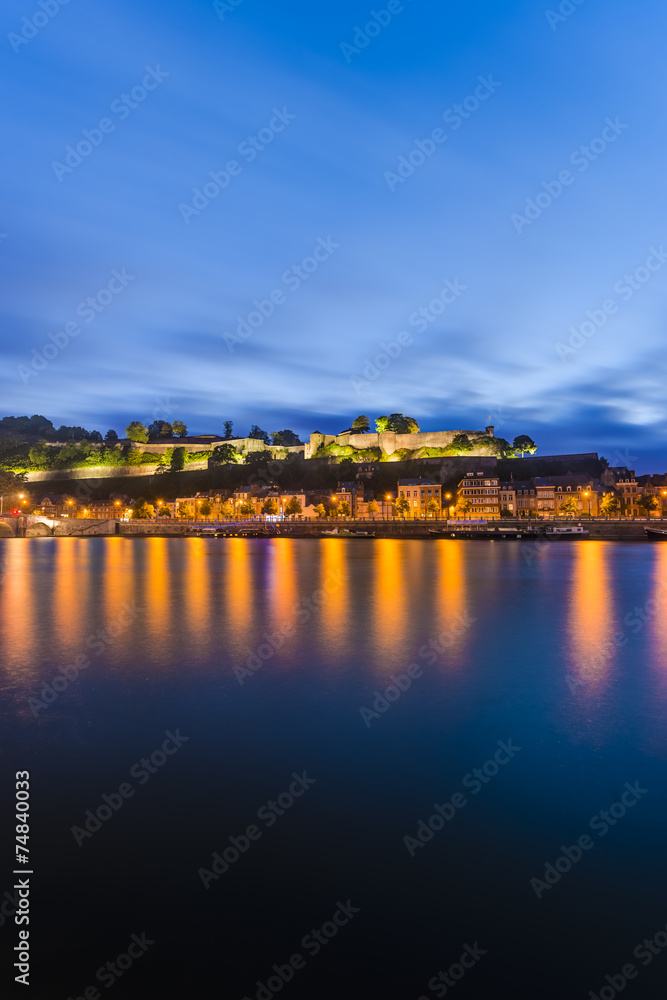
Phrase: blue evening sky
[170,342]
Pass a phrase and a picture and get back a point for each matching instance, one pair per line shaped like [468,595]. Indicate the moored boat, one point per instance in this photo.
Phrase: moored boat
[347,533]
[656,534]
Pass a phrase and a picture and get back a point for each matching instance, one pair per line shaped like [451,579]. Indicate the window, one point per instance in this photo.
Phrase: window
[414,493]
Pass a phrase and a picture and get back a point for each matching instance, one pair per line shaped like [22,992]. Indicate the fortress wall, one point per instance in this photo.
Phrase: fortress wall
[389,442]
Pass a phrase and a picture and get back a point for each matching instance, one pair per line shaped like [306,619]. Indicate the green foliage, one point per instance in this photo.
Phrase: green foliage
[569,505]
[247,508]
[344,509]
[182,510]
[270,506]
[361,425]
[381,424]
[110,436]
[228,429]
[373,508]
[179,428]
[293,507]
[206,509]
[164,512]
[523,444]
[286,438]
[461,445]
[433,507]
[259,434]
[321,510]
[610,505]
[648,502]
[36,425]
[178,459]
[133,456]
[225,453]
[463,506]
[137,432]
[142,511]
[402,506]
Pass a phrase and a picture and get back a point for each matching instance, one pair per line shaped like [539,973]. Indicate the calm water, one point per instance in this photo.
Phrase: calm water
[261,653]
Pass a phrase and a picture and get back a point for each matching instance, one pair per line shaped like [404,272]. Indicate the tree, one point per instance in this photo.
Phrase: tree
[373,508]
[247,508]
[253,457]
[65,433]
[402,506]
[163,512]
[320,510]
[142,511]
[182,510]
[111,436]
[648,502]
[522,444]
[569,505]
[159,428]
[610,505]
[461,444]
[228,429]
[344,509]
[179,428]
[463,507]
[259,434]
[361,425]
[178,459]
[95,436]
[206,509]
[293,507]
[402,425]
[285,439]
[270,506]
[225,453]
[137,432]
[382,424]
[227,509]
[432,508]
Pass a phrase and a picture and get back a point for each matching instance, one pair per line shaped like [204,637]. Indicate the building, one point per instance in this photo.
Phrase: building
[588,494]
[58,505]
[423,495]
[481,491]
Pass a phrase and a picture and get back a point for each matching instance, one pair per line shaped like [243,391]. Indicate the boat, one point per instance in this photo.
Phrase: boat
[565,532]
[482,531]
[656,534]
[347,533]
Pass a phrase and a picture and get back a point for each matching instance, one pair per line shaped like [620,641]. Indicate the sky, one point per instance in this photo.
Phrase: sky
[291,214]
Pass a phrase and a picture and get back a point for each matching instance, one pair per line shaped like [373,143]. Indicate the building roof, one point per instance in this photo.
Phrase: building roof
[417,482]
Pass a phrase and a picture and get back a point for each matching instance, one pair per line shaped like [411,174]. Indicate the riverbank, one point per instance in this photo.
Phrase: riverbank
[34,526]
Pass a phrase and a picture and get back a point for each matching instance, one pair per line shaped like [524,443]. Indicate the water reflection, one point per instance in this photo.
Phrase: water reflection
[593,640]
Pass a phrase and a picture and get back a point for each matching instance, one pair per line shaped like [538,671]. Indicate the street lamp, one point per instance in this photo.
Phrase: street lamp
[589,503]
